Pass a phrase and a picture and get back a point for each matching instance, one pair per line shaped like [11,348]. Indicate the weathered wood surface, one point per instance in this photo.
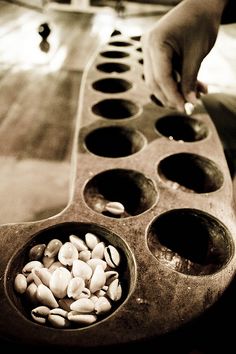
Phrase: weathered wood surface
[38,104]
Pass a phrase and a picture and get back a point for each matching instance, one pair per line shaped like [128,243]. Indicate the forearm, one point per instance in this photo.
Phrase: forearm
[213,7]
[225,10]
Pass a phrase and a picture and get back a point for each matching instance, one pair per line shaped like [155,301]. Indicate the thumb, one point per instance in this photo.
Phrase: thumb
[189,74]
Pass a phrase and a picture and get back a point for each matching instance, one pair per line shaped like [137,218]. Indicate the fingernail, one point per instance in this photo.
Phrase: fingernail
[191,97]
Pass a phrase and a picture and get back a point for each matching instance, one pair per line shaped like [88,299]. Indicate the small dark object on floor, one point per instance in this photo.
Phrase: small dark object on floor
[44,45]
[44,30]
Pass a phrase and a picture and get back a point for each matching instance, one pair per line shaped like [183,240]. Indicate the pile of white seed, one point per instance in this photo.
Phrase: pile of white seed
[70,284]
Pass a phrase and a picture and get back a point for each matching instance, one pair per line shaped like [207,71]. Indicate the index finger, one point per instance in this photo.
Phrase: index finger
[162,67]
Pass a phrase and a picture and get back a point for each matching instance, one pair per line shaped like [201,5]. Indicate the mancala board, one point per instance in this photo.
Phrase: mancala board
[176,234]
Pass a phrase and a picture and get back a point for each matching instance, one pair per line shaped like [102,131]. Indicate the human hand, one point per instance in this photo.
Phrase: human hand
[175,47]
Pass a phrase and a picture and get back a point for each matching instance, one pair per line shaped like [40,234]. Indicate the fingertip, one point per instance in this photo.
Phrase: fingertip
[180,107]
[191,97]
[202,87]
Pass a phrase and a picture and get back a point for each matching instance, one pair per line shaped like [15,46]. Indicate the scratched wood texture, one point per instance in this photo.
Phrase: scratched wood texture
[39,89]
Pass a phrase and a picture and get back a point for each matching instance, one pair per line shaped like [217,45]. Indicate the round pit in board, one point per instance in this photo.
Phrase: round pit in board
[71,275]
[114,141]
[134,191]
[190,241]
[114,54]
[115,108]
[120,43]
[136,38]
[190,173]
[113,67]
[181,127]
[112,85]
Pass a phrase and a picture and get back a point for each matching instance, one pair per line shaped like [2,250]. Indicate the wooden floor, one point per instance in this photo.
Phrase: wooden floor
[38,103]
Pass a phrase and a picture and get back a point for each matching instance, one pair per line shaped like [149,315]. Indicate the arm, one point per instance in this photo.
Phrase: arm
[178,42]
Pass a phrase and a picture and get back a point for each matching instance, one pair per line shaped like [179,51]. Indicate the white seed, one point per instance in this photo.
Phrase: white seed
[98,279]
[96,261]
[112,256]
[115,208]
[48,261]
[189,108]
[54,266]
[86,293]
[85,255]
[40,314]
[58,321]
[31,293]
[27,269]
[102,305]
[98,251]
[67,253]
[94,298]
[46,297]
[110,276]
[100,293]
[36,252]
[91,240]
[20,283]
[81,269]
[30,278]
[82,306]
[75,287]
[114,290]
[59,281]
[58,311]
[43,274]
[78,243]
[82,319]
[34,277]
[52,248]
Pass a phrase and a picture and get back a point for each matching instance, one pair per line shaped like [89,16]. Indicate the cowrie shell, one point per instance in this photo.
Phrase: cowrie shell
[31,265]
[98,251]
[40,314]
[58,321]
[46,297]
[52,248]
[67,253]
[75,287]
[98,279]
[20,283]
[102,305]
[82,306]
[112,256]
[81,269]
[115,208]
[59,281]
[91,240]
[114,290]
[78,243]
